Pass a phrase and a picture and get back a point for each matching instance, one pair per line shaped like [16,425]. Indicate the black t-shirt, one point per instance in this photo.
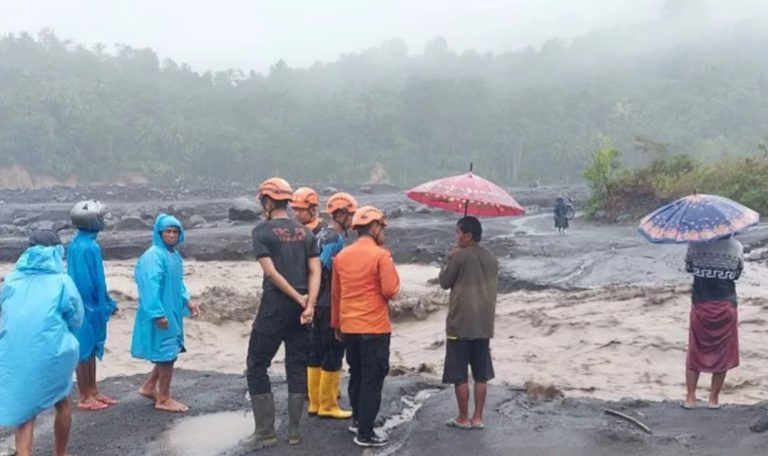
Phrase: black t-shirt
[289,244]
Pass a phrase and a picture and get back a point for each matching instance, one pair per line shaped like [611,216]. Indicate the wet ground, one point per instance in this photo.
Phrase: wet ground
[413,416]
[533,257]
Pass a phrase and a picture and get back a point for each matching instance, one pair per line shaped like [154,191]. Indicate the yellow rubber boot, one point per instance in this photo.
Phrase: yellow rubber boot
[329,401]
[313,389]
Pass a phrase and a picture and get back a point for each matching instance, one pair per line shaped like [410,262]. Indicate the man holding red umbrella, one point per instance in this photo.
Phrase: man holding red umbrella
[471,272]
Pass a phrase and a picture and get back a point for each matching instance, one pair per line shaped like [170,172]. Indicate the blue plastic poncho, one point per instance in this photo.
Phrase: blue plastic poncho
[40,309]
[86,267]
[159,276]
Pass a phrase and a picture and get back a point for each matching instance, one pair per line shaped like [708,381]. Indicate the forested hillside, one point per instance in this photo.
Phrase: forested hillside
[532,114]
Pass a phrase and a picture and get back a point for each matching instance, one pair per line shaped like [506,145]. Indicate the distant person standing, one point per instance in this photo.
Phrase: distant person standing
[364,281]
[713,336]
[561,214]
[40,309]
[471,272]
[86,267]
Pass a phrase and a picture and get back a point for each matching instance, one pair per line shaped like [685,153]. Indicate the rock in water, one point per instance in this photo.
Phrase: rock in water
[244,210]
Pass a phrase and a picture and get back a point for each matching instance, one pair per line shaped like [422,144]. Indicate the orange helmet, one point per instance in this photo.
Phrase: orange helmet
[341,200]
[367,215]
[276,188]
[304,198]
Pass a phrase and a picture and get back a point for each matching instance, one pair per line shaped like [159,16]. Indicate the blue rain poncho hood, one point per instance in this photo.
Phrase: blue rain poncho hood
[159,276]
[85,266]
[40,308]
[162,223]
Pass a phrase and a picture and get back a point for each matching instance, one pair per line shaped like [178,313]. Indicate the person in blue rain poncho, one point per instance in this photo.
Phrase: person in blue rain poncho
[40,308]
[86,267]
[158,333]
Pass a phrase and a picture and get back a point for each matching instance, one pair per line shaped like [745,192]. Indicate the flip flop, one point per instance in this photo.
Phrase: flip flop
[714,407]
[479,427]
[686,406]
[92,407]
[454,424]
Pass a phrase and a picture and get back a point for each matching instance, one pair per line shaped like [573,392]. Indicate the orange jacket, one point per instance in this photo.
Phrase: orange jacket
[364,280]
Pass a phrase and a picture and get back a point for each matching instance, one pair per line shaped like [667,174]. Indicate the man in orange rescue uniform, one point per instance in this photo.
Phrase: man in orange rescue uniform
[364,280]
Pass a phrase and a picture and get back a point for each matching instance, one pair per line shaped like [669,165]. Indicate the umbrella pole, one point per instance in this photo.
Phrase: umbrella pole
[466,206]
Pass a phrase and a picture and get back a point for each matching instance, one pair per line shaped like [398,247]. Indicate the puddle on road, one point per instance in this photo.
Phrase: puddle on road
[218,433]
[207,435]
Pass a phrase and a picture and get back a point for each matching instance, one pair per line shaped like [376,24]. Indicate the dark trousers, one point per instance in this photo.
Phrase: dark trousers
[325,350]
[277,322]
[368,359]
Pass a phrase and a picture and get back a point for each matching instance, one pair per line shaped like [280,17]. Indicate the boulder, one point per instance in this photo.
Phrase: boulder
[395,213]
[131,223]
[8,230]
[196,221]
[27,219]
[57,225]
[244,210]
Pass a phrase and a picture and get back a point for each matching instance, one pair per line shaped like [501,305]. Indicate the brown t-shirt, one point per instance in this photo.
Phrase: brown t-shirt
[472,274]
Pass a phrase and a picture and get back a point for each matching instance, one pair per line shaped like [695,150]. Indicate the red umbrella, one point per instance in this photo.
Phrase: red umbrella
[468,194]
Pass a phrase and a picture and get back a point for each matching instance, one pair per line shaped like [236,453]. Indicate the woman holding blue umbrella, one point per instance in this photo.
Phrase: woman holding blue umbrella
[715,259]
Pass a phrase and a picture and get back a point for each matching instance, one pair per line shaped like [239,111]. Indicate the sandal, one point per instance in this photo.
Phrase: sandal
[455,424]
[686,406]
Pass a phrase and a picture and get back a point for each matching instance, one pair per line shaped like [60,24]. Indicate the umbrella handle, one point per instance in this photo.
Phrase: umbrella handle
[466,204]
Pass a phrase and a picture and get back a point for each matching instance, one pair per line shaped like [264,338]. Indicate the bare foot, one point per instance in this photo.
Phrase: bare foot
[169,405]
[105,399]
[149,394]
[90,404]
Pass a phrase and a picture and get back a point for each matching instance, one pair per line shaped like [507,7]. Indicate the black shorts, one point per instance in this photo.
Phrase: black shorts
[460,353]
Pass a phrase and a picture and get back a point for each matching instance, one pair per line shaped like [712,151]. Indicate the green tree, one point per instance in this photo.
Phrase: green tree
[599,173]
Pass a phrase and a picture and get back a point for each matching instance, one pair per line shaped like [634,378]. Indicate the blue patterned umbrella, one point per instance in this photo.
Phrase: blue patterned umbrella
[697,218]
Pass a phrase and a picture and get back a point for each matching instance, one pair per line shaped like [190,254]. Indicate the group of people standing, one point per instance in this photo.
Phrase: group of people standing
[54,322]
[323,297]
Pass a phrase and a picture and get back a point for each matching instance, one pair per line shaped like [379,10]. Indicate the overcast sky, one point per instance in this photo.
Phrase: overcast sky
[253,34]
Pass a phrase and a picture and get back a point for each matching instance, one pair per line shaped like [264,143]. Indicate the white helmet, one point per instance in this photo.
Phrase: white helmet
[88,215]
